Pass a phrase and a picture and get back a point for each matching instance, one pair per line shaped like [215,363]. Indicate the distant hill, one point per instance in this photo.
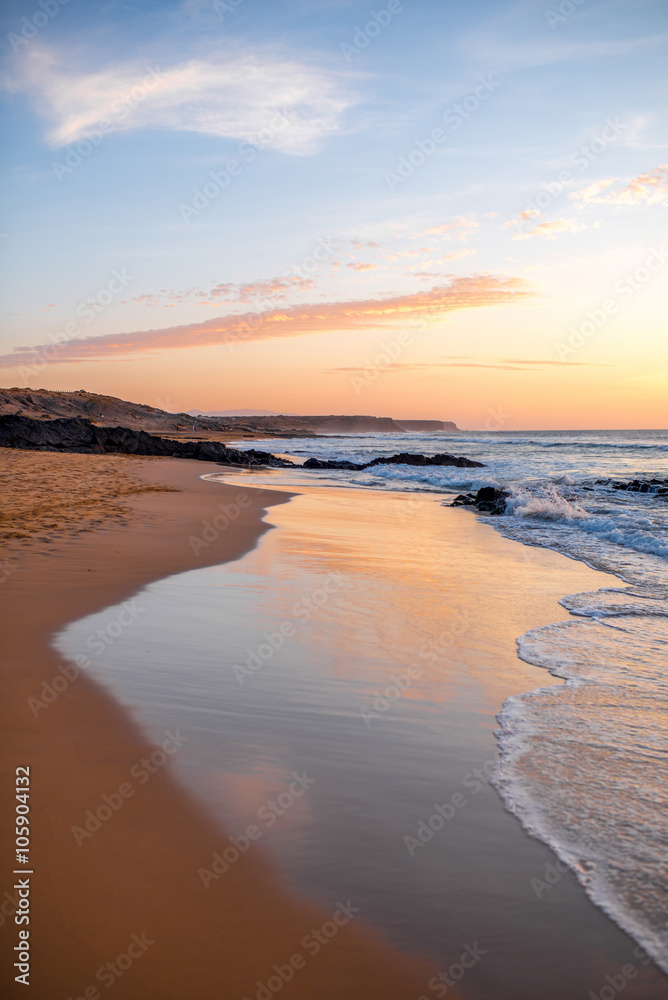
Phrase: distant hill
[233,413]
[109,411]
[428,425]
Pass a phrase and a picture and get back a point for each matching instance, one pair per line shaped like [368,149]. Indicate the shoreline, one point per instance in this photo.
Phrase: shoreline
[138,875]
[487,590]
[143,866]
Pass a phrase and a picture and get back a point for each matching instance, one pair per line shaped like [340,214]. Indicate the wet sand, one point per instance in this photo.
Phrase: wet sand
[415,578]
[138,875]
[418,574]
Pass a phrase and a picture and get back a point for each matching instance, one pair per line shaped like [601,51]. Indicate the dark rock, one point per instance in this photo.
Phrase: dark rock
[406,458]
[488,500]
[464,500]
[77,434]
[317,463]
[657,487]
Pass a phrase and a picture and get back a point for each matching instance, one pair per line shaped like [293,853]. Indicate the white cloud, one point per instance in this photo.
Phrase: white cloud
[650,188]
[528,226]
[233,96]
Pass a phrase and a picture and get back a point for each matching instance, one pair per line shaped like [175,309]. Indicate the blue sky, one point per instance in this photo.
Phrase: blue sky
[119,114]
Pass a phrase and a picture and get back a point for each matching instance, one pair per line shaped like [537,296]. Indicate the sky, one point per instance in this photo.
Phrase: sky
[419,209]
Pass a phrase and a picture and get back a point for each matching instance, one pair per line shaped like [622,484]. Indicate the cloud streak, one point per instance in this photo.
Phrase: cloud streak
[234,96]
[493,364]
[650,188]
[529,227]
[470,292]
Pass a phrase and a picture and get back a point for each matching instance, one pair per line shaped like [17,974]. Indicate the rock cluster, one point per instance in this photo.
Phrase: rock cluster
[405,458]
[659,487]
[80,435]
[488,500]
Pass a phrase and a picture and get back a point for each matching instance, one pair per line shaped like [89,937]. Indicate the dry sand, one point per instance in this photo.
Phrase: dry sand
[80,533]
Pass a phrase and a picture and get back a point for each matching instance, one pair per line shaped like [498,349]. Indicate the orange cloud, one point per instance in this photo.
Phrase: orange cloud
[495,364]
[292,321]
[458,228]
[262,289]
[459,254]
[650,188]
[363,267]
[525,216]
[547,229]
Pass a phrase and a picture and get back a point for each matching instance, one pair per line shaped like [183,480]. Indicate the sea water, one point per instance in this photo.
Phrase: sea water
[583,766]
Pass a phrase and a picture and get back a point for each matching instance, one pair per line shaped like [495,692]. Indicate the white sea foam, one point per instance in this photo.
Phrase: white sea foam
[585,766]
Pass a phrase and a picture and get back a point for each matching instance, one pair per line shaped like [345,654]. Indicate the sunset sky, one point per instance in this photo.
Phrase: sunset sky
[421,208]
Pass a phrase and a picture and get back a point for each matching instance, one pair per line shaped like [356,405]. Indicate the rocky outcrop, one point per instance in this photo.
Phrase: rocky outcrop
[321,463]
[659,487]
[428,425]
[405,458]
[79,435]
[488,500]
[47,404]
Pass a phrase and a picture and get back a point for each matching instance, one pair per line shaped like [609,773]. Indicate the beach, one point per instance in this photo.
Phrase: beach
[383,693]
[140,878]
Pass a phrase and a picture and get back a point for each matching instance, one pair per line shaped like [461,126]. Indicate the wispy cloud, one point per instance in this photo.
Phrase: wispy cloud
[460,228]
[527,226]
[294,321]
[262,290]
[234,96]
[650,188]
[493,364]
[492,49]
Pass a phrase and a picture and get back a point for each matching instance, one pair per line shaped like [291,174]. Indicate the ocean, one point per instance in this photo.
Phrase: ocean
[367,646]
[584,766]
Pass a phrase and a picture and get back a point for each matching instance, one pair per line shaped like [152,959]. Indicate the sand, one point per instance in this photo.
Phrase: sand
[85,532]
